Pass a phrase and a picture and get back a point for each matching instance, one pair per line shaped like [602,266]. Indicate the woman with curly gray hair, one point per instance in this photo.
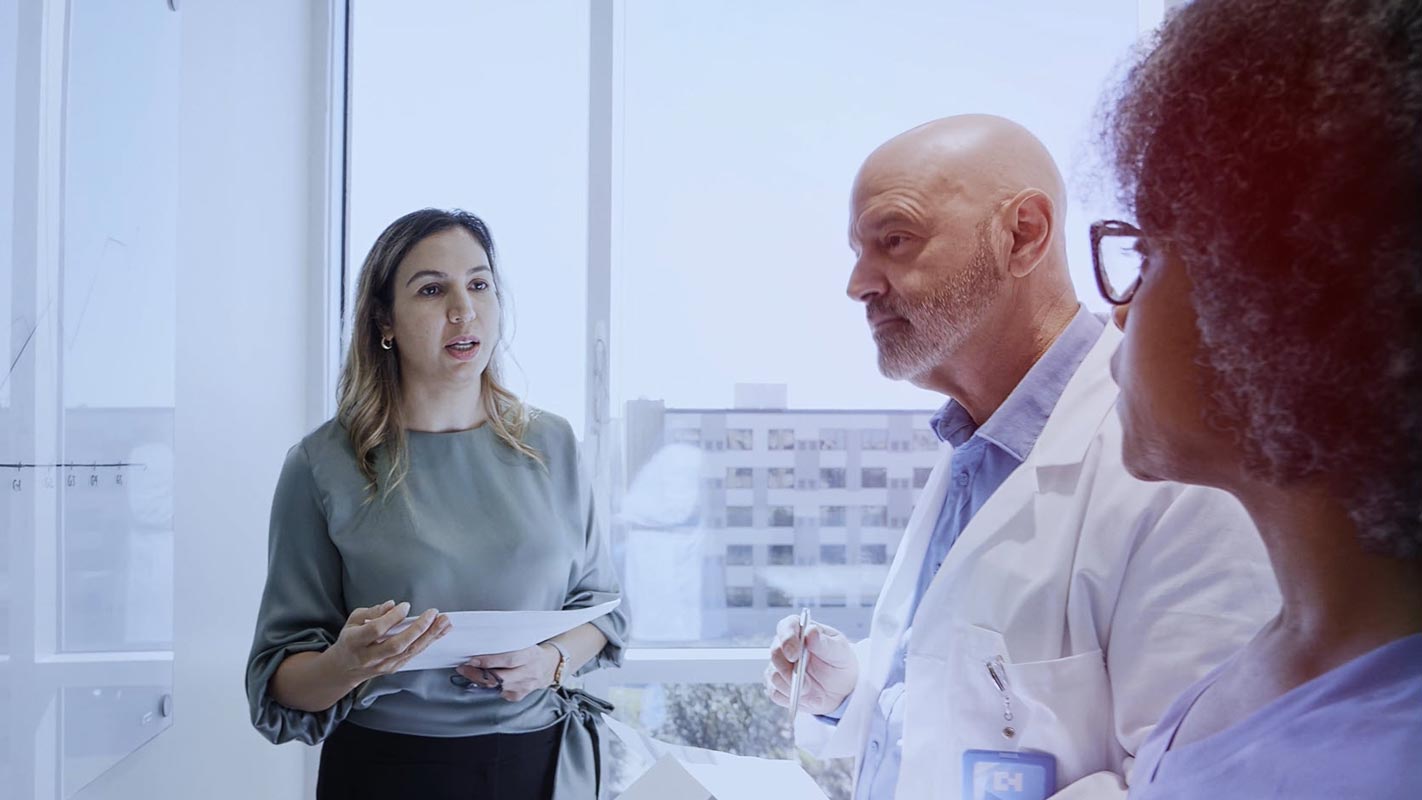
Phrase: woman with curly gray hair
[1272,154]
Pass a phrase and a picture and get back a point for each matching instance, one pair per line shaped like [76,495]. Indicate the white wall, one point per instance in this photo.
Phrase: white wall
[246,363]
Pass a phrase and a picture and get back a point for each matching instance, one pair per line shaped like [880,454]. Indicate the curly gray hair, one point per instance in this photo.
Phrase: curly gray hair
[1277,147]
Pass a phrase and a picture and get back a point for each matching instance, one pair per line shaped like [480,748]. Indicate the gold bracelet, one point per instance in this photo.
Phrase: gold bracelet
[562,659]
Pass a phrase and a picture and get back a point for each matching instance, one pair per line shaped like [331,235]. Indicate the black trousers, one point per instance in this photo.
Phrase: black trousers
[359,763]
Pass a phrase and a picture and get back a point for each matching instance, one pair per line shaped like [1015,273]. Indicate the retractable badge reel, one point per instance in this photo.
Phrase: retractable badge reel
[1007,774]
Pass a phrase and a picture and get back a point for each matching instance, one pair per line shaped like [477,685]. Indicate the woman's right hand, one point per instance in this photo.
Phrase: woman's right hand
[363,650]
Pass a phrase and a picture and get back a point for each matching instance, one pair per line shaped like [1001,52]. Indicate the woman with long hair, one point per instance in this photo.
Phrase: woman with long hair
[1272,154]
[434,487]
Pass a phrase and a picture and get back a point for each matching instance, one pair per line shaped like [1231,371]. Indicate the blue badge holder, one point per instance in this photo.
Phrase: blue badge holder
[1004,775]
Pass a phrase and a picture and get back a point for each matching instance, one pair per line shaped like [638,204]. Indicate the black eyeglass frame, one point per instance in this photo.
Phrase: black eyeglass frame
[1099,231]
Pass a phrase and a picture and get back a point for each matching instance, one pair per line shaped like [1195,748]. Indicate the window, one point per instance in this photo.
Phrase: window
[95,651]
[874,516]
[920,476]
[739,477]
[782,517]
[873,554]
[669,300]
[832,554]
[832,516]
[874,439]
[924,440]
[832,600]
[739,517]
[740,439]
[740,555]
[740,597]
[873,477]
[832,438]
[781,554]
[782,477]
[832,477]
[690,436]
[777,598]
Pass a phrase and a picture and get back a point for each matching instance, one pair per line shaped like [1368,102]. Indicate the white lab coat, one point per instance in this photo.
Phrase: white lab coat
[1104,596]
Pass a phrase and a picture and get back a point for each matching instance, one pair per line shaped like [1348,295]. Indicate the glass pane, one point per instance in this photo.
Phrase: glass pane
[9,110]
[730,267]
[483,105]
[118,383]
[102,724]
[86,412]
[118,529]
[732,718]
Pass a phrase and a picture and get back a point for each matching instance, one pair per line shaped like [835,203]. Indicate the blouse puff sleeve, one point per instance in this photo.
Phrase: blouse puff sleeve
[301,606]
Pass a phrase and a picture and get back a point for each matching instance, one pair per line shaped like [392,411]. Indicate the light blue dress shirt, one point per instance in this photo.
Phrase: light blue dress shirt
[982,459]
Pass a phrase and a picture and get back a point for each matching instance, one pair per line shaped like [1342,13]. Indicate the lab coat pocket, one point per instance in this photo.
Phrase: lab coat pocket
[951,705]
[1062,706]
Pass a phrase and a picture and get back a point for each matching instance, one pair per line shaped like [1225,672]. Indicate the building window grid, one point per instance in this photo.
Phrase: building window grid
[740,439]
[781,478]
[740,555]
[780,555]
[780,517]
[740,477]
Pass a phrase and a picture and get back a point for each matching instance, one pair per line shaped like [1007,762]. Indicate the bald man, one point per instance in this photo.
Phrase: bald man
[1043,608]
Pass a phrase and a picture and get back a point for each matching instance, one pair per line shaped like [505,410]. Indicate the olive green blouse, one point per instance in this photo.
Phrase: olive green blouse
[474,526]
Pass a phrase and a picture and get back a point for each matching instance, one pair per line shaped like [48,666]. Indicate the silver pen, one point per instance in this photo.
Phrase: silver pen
[797,679]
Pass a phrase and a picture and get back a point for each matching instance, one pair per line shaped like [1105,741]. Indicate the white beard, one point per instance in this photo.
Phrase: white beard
[938,323]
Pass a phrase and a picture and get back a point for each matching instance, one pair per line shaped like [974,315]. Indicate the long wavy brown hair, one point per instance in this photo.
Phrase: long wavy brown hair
[368,403]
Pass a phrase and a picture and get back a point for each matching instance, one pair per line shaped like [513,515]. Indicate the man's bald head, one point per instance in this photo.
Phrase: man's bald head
[958,229]
[979,157]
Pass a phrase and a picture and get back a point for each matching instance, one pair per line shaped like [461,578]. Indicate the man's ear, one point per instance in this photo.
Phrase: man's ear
[1031,219]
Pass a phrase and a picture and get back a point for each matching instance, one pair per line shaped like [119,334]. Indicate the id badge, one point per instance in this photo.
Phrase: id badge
[1003,775]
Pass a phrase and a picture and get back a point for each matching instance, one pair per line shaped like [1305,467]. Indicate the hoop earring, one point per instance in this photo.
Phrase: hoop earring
[387,343]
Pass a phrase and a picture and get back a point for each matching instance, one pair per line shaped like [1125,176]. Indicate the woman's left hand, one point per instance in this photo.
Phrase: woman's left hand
[517,674]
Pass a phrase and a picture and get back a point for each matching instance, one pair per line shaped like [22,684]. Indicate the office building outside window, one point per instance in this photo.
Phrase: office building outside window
[873,478]
[780,478]
[739,477]
[781,439]
[740,439]
[920,476]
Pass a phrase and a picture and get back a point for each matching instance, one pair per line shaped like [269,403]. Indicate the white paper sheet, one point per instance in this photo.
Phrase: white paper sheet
[723,775]
[482,633]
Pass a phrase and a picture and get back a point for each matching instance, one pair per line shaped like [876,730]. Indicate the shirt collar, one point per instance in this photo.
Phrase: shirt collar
[1017,423]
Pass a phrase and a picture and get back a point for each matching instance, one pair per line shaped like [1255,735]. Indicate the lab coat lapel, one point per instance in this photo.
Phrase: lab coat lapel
[1022,504]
